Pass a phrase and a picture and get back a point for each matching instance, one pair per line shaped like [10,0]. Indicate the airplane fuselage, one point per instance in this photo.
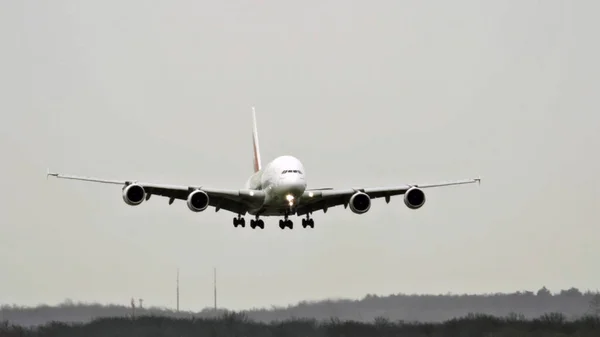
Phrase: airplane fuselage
[283,180]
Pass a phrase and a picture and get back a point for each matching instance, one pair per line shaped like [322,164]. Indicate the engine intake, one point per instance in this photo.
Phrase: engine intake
[360,202]
[133,194]
[197,201]
[414,198]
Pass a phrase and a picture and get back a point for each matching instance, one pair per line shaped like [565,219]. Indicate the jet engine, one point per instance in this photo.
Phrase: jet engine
[360,202]
[197,201]
[414,198]
[133,194]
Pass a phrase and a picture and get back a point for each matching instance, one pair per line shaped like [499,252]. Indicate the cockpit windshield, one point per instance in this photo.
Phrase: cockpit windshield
[291,171]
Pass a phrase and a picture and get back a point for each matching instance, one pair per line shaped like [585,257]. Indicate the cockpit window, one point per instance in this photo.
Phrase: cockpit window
[291,171]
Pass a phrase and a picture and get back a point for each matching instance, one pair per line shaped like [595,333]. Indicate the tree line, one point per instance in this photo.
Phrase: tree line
[571,303]
[236,324]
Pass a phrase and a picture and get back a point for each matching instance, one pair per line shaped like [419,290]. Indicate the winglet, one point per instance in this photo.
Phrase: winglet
[48,173]
[478,180]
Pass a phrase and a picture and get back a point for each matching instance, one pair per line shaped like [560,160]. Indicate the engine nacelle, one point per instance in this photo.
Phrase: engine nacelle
[360,202]
[133,194]
[197,201]
[414,198]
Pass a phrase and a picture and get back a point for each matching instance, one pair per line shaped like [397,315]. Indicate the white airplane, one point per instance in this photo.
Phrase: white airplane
[277,189]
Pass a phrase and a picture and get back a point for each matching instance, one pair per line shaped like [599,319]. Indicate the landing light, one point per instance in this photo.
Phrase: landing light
[290,199]
[310,194]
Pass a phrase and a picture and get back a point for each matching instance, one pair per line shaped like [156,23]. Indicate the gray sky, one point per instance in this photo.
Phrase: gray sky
[364,93]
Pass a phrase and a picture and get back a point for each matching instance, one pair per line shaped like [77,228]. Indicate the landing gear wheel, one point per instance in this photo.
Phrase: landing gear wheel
[286,223]
[254,223]
[257,223]
[308,223]
[239,222]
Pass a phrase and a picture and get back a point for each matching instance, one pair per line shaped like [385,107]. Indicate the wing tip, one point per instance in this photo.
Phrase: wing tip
[50,173]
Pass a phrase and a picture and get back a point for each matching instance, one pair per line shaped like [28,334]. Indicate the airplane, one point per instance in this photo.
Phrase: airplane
[278,188]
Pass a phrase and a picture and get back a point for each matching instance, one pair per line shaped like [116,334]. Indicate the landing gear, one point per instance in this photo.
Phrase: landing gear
[286,223]
[257,223]
[283,224]
[308,222]
[239,221]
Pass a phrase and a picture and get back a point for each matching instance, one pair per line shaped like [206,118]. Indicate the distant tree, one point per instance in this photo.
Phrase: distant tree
[571,292]
[556,318]
[595,305]
[513,316]
[67,303]
[381,321]
[544,292]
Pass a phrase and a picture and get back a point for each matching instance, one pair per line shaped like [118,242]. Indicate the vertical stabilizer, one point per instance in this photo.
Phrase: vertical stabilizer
[257,163]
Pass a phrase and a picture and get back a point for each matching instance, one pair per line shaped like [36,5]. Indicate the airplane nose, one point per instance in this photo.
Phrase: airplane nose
[294,186]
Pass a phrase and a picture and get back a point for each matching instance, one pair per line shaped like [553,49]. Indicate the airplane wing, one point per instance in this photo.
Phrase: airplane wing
[320,200]
[236,201]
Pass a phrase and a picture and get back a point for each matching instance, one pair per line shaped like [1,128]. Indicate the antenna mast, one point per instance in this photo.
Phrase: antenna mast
[215,287]
[177,289]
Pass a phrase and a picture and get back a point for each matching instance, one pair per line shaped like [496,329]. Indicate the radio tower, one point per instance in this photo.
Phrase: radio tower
[215,286]
[177,289]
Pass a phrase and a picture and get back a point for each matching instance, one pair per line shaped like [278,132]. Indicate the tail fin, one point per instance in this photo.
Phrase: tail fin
[257,163]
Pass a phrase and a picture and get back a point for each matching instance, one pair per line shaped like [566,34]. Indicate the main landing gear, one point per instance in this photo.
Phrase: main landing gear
[257,223]
[239,221]
[286,222]
[283,224]
[308,222]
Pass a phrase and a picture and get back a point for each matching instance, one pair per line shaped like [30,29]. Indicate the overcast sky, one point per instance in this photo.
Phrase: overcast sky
[365,93]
